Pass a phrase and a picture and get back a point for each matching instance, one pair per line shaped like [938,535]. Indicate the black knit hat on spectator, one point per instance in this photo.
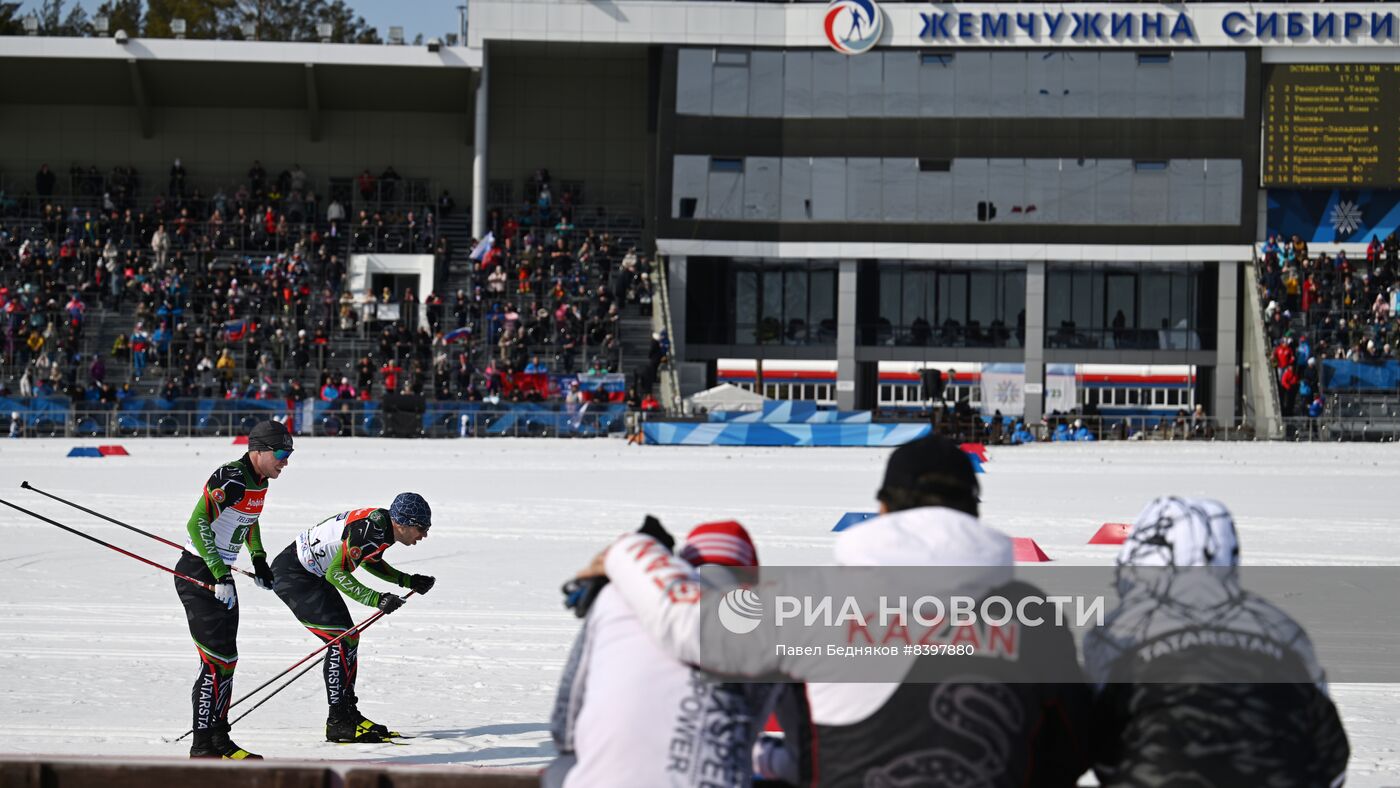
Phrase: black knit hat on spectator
[931,471]
[269,436]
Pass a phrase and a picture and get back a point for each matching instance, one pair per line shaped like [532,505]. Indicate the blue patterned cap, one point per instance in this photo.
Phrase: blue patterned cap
[410,509]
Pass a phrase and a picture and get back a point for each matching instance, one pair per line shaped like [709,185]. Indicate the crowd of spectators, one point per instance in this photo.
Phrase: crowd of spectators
[243,295]
[1327,307]
[544,285]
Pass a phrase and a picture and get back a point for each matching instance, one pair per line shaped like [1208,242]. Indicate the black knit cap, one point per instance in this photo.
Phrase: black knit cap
[269,436]
[931,471]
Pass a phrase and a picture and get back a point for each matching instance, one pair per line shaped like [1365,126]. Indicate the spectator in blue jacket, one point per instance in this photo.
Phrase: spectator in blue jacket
[1081,432]
[1022,435]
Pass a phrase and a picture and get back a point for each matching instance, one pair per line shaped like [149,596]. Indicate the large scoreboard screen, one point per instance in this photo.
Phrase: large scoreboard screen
[1332,125]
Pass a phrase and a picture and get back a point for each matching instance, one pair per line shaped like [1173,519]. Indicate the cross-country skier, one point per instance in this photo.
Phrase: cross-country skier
[224,518]
[317,568]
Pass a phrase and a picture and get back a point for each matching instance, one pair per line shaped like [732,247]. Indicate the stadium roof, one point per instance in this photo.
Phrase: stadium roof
[264,74]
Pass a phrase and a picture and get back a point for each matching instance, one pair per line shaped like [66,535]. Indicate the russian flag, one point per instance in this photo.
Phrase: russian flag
[235,330]
[457,333]
[479,251]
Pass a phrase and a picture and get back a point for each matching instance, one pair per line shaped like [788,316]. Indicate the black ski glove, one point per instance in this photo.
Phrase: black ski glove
[652,527]
[264,574]
[421,584]
[389,603]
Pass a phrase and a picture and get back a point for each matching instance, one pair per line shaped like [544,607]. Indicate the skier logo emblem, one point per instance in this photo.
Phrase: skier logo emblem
[741,611]
[853,26]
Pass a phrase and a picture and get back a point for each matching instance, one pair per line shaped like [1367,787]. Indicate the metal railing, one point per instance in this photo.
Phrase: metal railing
[350,422]
[661,319]
[1102,428]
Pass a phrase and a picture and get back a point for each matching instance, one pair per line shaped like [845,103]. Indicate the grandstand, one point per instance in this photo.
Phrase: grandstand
[354,219]
[175,246]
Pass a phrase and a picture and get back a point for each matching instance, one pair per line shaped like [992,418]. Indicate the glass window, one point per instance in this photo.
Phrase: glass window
[1081,93]
[829,88]
[762,182]
[795,305]
[1041,204]
[952,297]
[1045,84]
[901,85]
[1152,84]
[934,196]
[937,85]
[1078,186]
[829,189]
[1186,200]
[969,188]
[746,306]
[866,80]
[897,197]
[987,84]
[1190,89]
[690,181]
[1009,82]
[1151,189]
[1006,189]
[1222,191]
[974,84]
[797,84]
[1226,78]
[1154,295]
[1059,301]
[725,189]
[1117,75]
[890,300]
[1113,200]
[796,199]
[863,190]
[822,311]
[770,328]
[942,191]
[693,81]
[731,93]
[765,84]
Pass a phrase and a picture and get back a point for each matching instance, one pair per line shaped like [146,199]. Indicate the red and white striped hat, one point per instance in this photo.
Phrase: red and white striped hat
[724,543]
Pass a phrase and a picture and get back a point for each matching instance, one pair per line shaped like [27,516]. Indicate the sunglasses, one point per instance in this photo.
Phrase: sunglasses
[282,454]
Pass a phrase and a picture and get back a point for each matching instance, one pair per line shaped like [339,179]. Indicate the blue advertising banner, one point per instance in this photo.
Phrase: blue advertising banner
[1336,216]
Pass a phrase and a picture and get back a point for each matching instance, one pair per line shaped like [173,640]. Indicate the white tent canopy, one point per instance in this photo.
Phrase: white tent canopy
[727,396]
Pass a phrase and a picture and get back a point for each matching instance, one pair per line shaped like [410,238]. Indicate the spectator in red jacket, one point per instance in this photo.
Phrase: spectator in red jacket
[1289,385]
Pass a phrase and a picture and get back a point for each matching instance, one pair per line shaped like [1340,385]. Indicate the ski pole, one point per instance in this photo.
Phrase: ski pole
[27,486]
[355,630]
[108,545]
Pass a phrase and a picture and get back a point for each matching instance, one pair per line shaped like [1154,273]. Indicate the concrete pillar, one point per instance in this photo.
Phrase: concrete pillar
[846,335]
[479,148]
[1222,405]
[1035,342]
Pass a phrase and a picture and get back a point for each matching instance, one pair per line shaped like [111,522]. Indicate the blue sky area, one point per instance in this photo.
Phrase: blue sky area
[429,17]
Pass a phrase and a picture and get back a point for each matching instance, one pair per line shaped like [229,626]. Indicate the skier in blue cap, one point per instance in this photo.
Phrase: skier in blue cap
[320,563]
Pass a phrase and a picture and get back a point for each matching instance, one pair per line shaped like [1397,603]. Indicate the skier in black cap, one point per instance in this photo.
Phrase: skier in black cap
[224,518]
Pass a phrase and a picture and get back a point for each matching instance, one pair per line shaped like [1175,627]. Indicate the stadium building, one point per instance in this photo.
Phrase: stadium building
[845,193]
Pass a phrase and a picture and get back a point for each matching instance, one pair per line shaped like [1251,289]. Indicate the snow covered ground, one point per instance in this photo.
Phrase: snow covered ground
[95,657]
